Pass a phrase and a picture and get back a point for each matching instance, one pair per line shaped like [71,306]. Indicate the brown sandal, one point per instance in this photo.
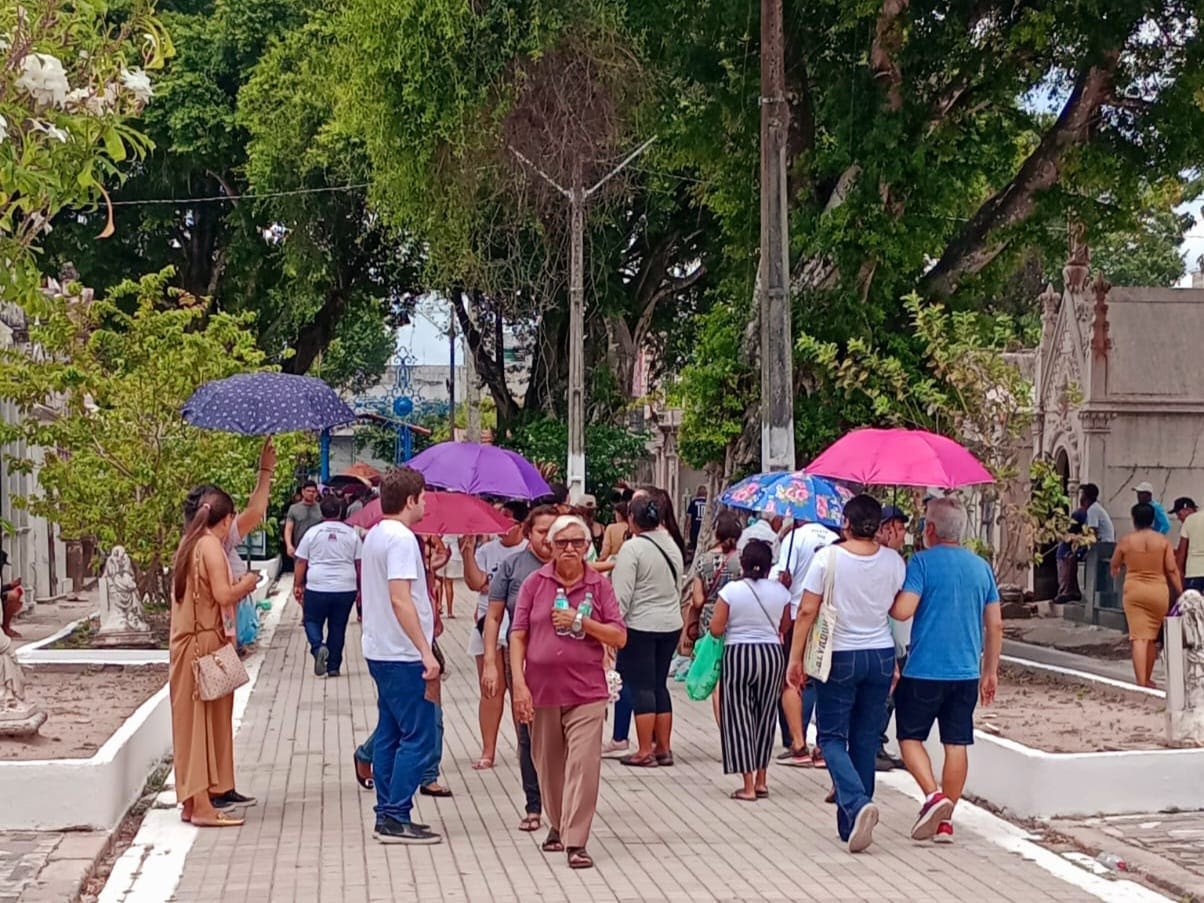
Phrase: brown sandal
[220,820]
[579,859]
[531,822]
[552,842]
[636,761]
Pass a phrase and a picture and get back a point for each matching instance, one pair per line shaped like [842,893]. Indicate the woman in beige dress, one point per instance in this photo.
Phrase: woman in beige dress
[202,732]
[1150,575]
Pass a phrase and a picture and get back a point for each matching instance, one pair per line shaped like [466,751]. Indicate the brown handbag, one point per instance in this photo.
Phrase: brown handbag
[221,672]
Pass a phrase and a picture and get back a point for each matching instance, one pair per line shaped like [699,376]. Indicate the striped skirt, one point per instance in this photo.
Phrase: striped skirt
[750,690]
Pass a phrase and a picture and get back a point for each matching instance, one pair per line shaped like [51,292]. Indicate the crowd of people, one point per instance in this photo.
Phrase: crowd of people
[564,603]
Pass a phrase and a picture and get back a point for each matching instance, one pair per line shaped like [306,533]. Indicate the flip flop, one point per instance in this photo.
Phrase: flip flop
[531,822]
[579,859]
[665,759]
[552,843]
[435,790]
[737,795]
[635,761]
[763,793]
[482,764]
[366,782]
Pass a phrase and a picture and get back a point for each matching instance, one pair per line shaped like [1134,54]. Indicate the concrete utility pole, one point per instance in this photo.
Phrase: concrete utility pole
[777,336]
[451,376]
[577,196]
[472,396]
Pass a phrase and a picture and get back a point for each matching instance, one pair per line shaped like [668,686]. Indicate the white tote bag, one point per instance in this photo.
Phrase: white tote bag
[817,657]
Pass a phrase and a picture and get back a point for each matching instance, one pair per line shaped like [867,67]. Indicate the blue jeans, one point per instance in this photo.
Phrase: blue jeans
[404,736]
[328,612]
[848,710]
[365,751]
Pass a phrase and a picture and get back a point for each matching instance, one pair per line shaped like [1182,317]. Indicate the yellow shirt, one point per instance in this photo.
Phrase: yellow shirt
[1193,531]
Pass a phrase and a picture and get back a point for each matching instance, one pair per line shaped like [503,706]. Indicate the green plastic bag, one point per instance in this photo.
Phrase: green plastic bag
[704,672]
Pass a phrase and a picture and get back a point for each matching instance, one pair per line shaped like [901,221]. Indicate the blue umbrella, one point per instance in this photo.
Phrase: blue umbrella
[795,495]
[260,404]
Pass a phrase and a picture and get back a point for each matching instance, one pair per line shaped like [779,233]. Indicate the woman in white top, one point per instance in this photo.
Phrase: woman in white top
[850,704]
[748,613]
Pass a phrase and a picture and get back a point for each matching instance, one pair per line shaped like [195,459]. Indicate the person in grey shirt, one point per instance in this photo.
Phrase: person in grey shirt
[503,596]
[647,580]
[301,517]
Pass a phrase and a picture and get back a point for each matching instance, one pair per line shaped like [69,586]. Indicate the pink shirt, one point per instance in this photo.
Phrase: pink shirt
[563,670]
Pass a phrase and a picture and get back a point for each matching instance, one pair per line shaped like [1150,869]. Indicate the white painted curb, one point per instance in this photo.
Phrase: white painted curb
[150,869]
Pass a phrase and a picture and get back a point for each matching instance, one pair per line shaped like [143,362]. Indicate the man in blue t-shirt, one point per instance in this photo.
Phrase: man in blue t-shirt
[951,593]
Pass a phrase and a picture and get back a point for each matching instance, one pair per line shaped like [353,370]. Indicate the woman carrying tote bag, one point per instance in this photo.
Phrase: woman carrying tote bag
[859,580]
[200,648]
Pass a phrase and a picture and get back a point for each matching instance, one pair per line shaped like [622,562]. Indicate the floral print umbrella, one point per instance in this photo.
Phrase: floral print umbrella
[797,495]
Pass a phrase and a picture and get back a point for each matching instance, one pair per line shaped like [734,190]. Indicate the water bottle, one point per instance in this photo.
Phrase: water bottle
[561,604]
[585,609]
[1112,861]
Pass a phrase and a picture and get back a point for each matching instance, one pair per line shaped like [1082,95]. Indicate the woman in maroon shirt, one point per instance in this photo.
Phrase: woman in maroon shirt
[560,685]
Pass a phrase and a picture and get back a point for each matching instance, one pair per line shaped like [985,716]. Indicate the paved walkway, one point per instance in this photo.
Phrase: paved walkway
[665,834]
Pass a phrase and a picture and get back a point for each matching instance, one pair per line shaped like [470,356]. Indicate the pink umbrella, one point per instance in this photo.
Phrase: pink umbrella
[899,457]
[447,513]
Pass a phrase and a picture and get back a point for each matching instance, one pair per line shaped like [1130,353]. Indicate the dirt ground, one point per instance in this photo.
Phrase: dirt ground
[84,707]
[1050,713]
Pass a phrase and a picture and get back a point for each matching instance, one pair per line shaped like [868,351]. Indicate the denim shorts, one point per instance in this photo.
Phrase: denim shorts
[950,703]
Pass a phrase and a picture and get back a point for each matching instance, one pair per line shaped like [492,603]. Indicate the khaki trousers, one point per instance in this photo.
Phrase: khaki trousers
[566,744]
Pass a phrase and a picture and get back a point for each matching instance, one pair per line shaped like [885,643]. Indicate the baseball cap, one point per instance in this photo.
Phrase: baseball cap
[1144,487]
[890,512]
[1183,502]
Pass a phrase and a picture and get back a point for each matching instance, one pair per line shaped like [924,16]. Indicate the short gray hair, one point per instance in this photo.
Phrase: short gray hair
[563,522]
[948,518]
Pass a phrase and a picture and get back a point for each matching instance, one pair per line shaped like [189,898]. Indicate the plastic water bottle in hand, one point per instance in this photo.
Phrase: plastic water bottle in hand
[561,604]
[585,609]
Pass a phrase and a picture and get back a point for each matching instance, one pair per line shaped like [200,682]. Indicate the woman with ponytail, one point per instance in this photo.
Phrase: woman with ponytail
[749,613]
[202,732]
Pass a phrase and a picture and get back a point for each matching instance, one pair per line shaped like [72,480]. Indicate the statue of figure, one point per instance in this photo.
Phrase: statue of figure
[1185,672]
[17,717]
[122,622]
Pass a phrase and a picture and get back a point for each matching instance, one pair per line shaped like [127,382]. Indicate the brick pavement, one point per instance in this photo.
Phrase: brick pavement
[660,834]
[44,867]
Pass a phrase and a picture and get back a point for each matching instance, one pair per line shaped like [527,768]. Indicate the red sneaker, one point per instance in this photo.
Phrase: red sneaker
[944,833]
[936,809]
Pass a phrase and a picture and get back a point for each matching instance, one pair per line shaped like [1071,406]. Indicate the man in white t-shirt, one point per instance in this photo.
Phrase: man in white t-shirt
[327,583]
[1098,520]
[399,627]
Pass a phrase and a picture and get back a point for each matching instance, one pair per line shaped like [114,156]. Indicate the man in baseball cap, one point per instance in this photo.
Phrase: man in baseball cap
[1145,496]
[1190,554]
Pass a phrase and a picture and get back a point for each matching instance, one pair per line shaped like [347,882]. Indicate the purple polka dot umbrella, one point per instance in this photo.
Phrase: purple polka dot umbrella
[261,404]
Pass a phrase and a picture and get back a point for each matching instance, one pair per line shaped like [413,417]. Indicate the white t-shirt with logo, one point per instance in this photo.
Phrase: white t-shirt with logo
[754,611]
[864,590]
[330,551]
[392,552]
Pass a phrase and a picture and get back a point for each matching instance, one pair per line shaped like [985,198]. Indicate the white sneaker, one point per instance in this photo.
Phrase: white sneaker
[863,828]
[616,747]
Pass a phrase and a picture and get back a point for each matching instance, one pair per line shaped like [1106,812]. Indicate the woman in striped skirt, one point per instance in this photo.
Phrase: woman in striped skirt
[749,614]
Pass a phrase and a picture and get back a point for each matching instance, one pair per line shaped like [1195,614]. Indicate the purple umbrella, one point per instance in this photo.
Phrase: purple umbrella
[480,470]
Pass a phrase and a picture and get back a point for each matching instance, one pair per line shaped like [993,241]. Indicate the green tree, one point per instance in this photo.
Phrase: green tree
[99,399]
[72,78]
[611,453]
[237,114]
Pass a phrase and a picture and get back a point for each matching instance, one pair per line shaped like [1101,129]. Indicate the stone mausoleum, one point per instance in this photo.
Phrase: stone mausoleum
[1120,398]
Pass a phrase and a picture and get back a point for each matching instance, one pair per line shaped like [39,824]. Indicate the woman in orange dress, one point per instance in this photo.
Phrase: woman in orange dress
[202,733]
[1150,574]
